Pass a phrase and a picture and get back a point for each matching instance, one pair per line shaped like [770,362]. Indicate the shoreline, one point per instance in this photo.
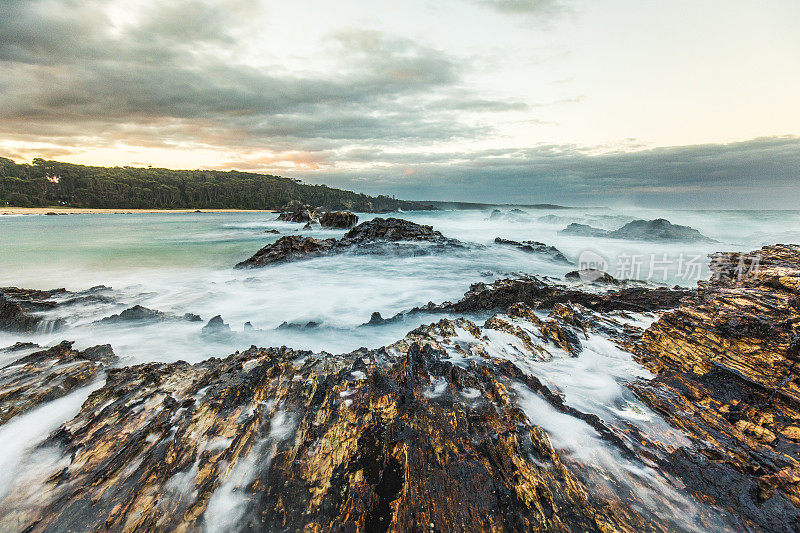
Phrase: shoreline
[115,211]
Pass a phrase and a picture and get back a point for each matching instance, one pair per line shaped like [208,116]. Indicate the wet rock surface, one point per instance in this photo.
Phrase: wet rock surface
[535,247]
[48,375]
[338,219]
[289,248]
[457,426]
[26,310]
[379,235]
[591,275]
[728,374]
[138,313]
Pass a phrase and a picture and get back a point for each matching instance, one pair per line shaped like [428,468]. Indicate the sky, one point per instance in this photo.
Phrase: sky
[647,102]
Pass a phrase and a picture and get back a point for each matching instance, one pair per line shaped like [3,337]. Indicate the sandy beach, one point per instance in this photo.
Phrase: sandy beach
[89,210]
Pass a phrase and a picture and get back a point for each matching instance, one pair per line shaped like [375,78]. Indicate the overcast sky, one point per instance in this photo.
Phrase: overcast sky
[653,102]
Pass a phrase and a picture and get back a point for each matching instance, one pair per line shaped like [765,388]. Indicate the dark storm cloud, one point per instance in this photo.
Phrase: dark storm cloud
[759,173]
[73,72]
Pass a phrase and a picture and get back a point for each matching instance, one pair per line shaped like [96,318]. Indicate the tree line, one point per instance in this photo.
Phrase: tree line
[51,183]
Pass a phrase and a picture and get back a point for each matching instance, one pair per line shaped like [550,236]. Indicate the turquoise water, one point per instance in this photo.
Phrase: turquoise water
[182,262]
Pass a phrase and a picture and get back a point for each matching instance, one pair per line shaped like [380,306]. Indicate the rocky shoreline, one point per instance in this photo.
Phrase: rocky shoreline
[451,428]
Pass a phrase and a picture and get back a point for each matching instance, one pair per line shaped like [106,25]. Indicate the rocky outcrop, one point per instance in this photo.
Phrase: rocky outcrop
[583,230]
[300,215]
[138,313]
[289,248]
[392,230]
[659,229]
[591,275]
[47,375]
[338,219]
[540,294]
[728,375]
[539,248]
[29,310]
[22,310]
[405,438]
[368,237]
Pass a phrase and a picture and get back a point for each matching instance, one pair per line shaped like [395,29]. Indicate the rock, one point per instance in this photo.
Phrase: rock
[324,443]
[48,375]
[272,231]
[18,347]
[139,313]
[22,310]
[295,325]
[289,248]
[338,219]
[248,326]
[641,230]
[367,237]
[539,294]
[216,327]
[727,373]
[658,230]
[303,215]
[307,226]
[582,230]
[496,214]
[392,230]
[535,247]
[591,275]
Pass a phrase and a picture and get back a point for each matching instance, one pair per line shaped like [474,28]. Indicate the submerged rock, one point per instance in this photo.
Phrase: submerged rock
[139,313]
[591,275]
[536,247]
[338,219]
[366,237]
[48,375]
[659,229]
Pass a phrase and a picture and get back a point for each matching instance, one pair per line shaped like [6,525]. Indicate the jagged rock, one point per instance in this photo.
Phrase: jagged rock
[21,310]
[591,275]
[394,439]
[47,375]
[366,236]
[138,313]
[392,230]
[496,214]
[659,229]
[295,325]
[537,248]
[300,216]
[338,219]
[216,327]
[540,294]
[289,248]
[272,231]
[727,374]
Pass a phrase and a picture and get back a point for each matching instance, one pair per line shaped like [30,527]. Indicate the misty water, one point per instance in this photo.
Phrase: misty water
[183,263]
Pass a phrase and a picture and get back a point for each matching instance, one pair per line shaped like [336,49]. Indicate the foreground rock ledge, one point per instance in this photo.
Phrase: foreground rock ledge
[434,433]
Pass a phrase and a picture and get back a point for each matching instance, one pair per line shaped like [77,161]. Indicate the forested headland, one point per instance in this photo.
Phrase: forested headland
[51,183]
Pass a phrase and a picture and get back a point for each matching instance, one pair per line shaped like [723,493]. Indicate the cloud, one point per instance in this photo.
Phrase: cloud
[78,71]
[516,7]
[759,173]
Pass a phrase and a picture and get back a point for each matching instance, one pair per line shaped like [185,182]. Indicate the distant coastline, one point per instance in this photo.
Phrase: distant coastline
[119,211]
